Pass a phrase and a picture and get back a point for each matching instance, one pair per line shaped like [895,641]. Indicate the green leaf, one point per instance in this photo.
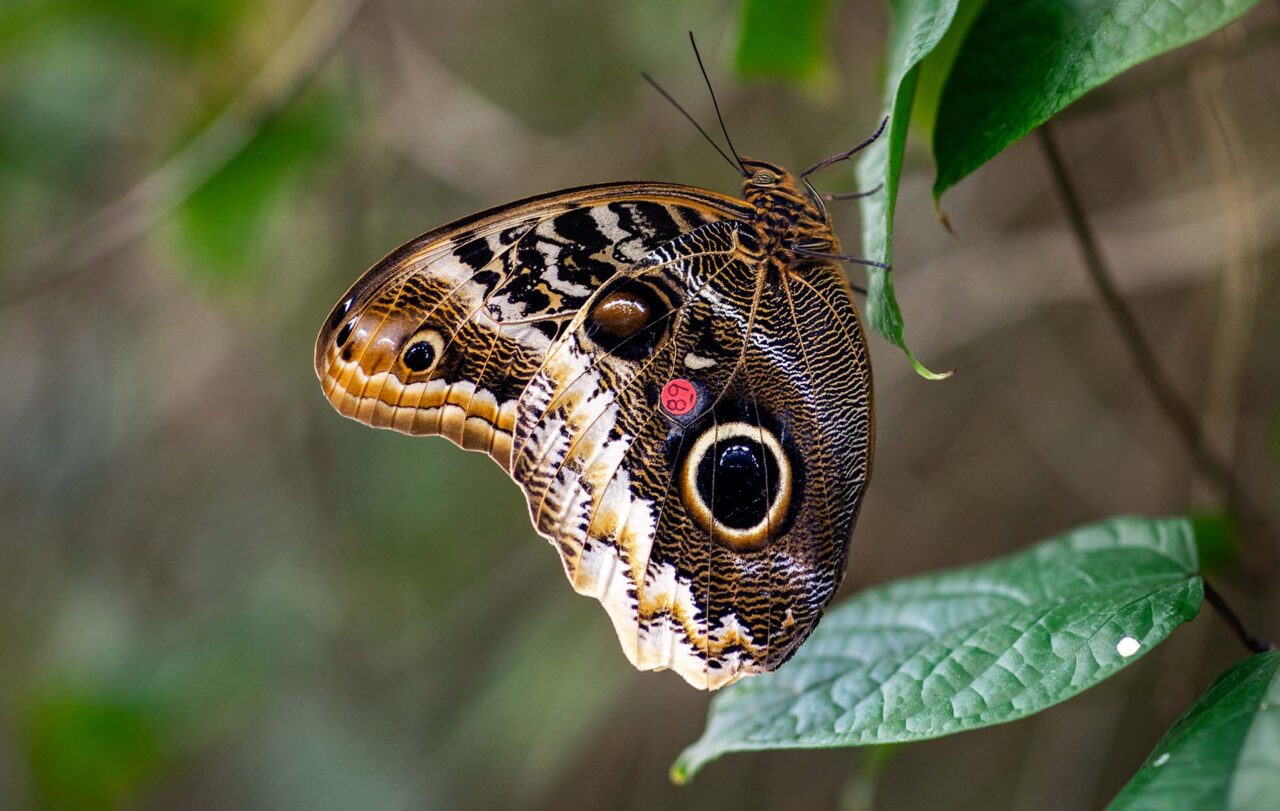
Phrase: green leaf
[1217,541]
[785,39]
[1025,60]
[1223,753]
[918,26]
[223,224]
[936,67]
[964,649]
[186,25]
[91,750]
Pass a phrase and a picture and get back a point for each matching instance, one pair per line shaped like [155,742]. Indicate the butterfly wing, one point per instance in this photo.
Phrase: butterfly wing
[443,334]
[545,333]
[700,469]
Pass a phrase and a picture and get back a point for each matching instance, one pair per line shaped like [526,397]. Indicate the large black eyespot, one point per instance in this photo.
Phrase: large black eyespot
[422,351]
[737,482]
[738,477]
[628,319]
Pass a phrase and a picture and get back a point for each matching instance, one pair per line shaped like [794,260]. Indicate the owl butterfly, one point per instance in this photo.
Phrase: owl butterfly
[676,379]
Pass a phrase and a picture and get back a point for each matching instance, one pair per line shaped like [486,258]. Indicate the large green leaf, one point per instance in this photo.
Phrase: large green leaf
[964,649]
[93,750]
[936,67]
[784,38]
[918,26]
[187,25]
[1025,60]
[1223,753]
[225,221]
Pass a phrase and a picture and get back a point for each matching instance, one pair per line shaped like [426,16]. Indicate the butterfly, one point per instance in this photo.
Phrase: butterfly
[676,379]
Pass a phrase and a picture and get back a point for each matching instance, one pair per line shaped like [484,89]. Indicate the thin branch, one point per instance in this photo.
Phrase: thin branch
[1253,643]
[133,214]
[1175,409]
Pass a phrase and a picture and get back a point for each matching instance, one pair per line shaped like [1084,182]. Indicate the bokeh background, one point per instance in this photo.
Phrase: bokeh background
[216,593]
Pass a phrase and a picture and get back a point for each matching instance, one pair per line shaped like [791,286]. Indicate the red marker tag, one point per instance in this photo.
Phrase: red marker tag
[679,397]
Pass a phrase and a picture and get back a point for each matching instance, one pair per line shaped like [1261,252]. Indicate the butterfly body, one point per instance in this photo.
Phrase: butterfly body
[684,399]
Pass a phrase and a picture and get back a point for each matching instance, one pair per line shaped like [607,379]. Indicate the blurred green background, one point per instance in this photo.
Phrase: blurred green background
[215,592]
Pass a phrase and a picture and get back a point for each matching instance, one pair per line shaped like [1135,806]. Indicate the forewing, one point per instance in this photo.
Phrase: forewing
[443,335]
[714,537]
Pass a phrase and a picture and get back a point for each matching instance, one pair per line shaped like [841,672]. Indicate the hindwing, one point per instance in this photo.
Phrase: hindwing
[714,536]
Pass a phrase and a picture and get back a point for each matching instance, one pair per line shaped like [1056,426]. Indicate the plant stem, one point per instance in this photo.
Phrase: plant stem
[1253,643]
[1175,409]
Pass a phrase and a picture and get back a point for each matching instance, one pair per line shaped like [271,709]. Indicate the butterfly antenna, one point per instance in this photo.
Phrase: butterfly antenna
[693,121]
[716,104]
[866,142]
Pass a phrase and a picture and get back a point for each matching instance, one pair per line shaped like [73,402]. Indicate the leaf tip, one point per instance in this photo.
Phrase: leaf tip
[679,773]
[926,372]
[943,218]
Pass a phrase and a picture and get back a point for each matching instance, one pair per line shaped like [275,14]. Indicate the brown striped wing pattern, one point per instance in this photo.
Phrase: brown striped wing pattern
[687,409]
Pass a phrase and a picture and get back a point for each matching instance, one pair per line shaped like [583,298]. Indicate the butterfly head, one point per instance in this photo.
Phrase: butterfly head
[788,207]
[764,178]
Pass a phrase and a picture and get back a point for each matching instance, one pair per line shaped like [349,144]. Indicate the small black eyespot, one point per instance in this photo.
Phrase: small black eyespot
[419,357]
[340,312]
[345,332]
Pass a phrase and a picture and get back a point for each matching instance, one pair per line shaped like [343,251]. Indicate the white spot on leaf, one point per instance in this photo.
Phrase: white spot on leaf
[1163,759]
[1128,646]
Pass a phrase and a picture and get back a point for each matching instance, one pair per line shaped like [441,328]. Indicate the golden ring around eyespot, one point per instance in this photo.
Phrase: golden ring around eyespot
[754,537]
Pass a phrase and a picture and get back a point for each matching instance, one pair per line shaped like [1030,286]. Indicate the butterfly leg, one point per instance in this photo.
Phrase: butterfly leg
[839,257]
[851,195]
